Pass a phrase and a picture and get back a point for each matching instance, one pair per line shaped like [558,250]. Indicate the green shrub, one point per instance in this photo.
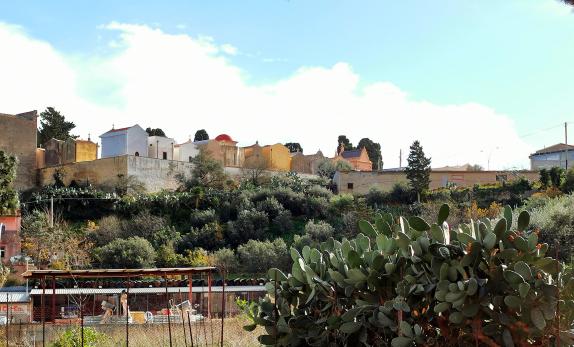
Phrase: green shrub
[271,207]
[319,231]
[250,225]
[210,236]
[319,192]
[342,203]
[283,223]
[315,207]
[404,282]
[258,256]
[134,252]
[199,218]
[568,183]
[224,257]
[72,337]
[555,220]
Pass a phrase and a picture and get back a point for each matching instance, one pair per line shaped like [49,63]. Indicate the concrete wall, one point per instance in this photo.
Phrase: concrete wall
[157,174]
[102,172]
[186,150]
[278,157]
[137,141]
[115,144]
[18,136]
[361,182]
[86,150]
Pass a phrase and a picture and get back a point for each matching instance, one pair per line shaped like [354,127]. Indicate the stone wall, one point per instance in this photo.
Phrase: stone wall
[102,172]
[18,136]
[157,174]
[361,182]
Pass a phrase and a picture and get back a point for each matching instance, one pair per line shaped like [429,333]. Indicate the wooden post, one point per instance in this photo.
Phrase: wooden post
[183,321]
[223,300]
[128,313]
[43,311]
[81,319]
[53,298]
[209,295]
[190,295]
[7,318]
[168,310]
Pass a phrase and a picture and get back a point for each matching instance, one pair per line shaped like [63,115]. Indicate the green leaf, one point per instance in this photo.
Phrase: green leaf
[508,216]
[470,310]
[489,240]
[367,228]
[443,306]
[456,317]
[513,277]
[390,268]
[523,220]
[356,275]
[378,262]
[418,224]
[532,241]
[523,289]
[350,327]
[295,254]
[306,253]
[537,318]
[406,329]
[500,228]
[403,240]
[266,340]
[472,287]
[523,269]
[507,338]
[354,258]
[437,233]
[276,273]
[512,301]
[250,327]
[443,214]
[402,341]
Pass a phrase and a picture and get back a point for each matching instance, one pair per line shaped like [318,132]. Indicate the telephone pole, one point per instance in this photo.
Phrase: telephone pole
[566,142]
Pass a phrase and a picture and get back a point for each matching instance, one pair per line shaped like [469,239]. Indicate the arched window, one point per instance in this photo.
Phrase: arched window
[137,154]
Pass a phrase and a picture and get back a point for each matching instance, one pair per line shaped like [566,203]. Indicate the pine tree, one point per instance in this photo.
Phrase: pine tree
[155,132]
[294,147]
[347,145]
[8,195]
[418,169]
[54,125]
[201,135]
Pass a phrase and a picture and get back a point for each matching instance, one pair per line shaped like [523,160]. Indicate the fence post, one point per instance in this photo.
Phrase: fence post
[168,309]
[223,300]
[43,311]
[128,313]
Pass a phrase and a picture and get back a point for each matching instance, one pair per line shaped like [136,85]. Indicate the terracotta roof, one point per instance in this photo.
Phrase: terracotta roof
[223,137]
[560,147]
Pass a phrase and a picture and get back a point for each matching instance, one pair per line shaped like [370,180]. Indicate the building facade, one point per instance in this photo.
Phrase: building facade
[161,147]
[10,244]
[552,156]
[125,141]
[58,152]
[308,164]
[18,136]
[358,158]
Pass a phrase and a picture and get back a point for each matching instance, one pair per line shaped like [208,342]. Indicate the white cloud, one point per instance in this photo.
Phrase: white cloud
[229,49]
[182,84]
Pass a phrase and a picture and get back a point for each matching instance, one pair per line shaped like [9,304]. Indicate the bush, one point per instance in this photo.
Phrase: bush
[72,337]
[555,220]
[196,257]
[258,256]
[568,184]
[224,257]
[342,203]
[108,229]
[283,223]
[271,207]
[199,218]
[209,236]
[376,197]
[250,224]
[318,231]
[315,207]
[319,192]
[144,224]
[134,252]
[410,283]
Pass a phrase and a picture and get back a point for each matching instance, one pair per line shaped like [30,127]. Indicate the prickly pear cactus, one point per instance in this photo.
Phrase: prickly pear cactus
[407,282]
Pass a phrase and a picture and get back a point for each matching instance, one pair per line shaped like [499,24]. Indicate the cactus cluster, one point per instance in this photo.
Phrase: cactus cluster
[407,282]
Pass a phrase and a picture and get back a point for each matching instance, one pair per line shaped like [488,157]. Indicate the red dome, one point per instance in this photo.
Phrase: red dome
[224,138]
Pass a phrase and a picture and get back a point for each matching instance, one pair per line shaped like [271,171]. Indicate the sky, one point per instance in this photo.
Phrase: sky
[484,82]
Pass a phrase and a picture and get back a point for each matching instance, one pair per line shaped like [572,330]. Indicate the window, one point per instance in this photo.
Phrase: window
[350,186]
[190,158]
[164,155]
[2,252]
[137,154]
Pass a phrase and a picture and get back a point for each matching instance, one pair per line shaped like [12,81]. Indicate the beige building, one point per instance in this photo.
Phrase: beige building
[58,152]
[18,136]
[161,147]
[308,164]
[358,182]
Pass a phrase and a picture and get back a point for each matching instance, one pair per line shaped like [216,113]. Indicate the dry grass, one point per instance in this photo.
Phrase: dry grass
[204,334]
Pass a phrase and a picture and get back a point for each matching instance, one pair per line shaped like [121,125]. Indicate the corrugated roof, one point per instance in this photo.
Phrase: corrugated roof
[117,272]
[15,297]
[153,290]
[560,147]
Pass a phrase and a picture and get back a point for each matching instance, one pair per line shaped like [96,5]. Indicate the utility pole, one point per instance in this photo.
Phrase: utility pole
[566,142]
[400,158]
[51,212]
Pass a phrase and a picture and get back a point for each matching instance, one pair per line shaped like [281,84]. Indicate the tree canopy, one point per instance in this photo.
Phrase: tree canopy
[155,132]
[294,147]
[8,196]
[207,172]
[418,169]
[201,135]
[54,125]
[347,145]
[374,152]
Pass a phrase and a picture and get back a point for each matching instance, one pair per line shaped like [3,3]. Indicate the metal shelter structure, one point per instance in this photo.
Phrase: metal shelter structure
[128,275]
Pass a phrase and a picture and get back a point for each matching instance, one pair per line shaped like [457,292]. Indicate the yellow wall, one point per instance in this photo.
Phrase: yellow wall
[86,151]
[278,157]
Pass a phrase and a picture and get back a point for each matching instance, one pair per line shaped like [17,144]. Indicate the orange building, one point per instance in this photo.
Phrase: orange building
[358,158]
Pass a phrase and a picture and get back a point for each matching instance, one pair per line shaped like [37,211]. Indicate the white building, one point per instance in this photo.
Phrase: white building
[187,150]
[131,140]
[161,147]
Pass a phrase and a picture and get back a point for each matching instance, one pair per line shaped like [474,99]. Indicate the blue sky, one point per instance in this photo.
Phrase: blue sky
[512,57]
